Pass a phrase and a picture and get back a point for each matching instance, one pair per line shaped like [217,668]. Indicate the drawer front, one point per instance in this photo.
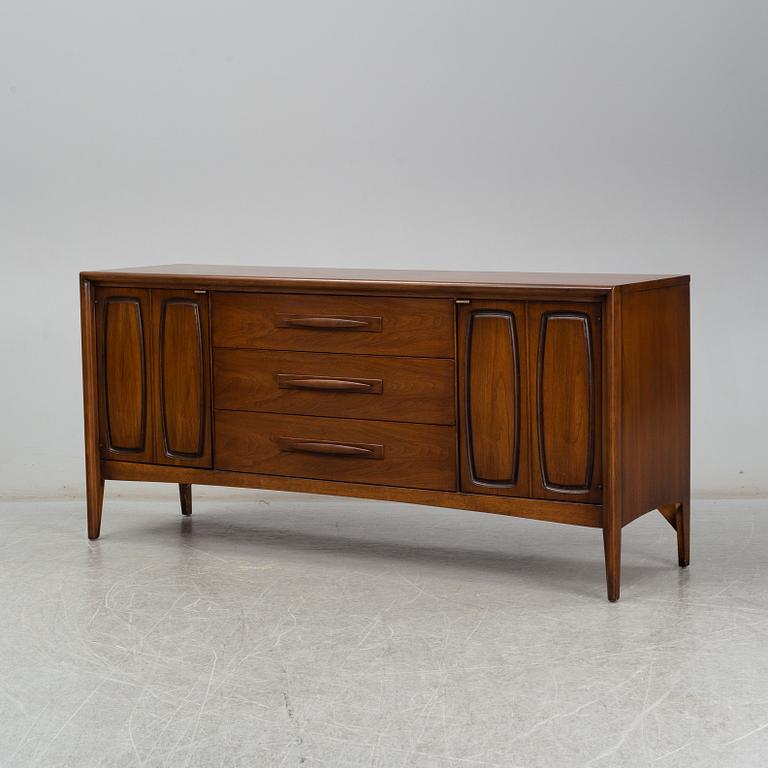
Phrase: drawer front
[347,386]
[358,324]
[346,450]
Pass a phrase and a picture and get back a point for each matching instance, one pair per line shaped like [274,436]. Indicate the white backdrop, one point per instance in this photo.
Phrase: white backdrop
[591,136]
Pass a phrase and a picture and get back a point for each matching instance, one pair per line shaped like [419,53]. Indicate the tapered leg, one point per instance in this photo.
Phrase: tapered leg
[612,546]
[679,517]
[185,497]
[94,502]
[683,525]
[94,482]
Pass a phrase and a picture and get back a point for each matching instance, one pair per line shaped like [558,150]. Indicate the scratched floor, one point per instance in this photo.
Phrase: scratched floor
[306,631]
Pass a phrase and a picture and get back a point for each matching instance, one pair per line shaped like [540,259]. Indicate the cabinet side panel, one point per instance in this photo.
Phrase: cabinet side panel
[655,399]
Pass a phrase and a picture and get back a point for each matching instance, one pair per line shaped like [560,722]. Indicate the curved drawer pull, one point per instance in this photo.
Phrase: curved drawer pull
[329,383]
[330,322]
[330,448]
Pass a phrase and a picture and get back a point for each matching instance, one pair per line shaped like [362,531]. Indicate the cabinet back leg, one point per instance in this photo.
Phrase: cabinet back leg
[94,502]
[679,517]
[185,497]
[683,525]
[612,547]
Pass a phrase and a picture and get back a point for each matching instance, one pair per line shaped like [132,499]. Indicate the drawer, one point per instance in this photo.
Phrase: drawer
[347,450]
[348,386]
[358,324]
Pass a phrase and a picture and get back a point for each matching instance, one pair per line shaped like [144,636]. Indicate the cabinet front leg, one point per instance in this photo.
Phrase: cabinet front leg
[612,546]
[185,497]
[94,502]
[94,482]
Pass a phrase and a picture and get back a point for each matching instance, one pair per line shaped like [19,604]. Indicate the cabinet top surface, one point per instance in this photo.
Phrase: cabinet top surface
[262,276]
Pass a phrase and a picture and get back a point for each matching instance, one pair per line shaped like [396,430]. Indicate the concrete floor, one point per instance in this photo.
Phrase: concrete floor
[304,631]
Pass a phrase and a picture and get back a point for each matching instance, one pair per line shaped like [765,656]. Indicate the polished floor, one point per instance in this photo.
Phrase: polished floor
[281,630]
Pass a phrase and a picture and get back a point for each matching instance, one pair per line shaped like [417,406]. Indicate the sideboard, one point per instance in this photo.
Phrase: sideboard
[559,397]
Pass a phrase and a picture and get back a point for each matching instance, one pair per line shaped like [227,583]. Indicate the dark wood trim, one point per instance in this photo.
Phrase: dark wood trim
[589,515]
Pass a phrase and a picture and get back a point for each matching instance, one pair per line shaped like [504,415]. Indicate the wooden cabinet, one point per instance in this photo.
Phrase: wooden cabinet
[551,397]
[153,362]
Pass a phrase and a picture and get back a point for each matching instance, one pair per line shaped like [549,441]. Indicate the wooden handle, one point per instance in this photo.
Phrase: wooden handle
[330,447]
[329,383]
[331,322]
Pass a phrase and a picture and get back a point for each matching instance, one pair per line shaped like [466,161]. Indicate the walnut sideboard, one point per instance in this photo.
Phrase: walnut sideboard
[546,396]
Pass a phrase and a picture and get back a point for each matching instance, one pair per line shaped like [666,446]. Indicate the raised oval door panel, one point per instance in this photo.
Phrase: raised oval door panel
[123,343]
[182,378]
[494,434]
[565,379]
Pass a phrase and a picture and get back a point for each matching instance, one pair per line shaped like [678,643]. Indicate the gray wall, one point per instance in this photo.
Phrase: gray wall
[594,136]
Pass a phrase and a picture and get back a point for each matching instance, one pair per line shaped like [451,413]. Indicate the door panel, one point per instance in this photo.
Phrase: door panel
[182,378]
[493,398]
[125,415]
[565,375]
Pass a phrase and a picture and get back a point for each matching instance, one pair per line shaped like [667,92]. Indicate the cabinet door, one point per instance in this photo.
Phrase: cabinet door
[181,378]
[493,398]
[123,343]
[565,382]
